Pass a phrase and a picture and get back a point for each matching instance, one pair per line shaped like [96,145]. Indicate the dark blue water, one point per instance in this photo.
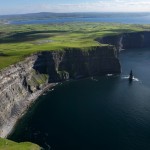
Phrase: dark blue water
[128,19]
[104,113]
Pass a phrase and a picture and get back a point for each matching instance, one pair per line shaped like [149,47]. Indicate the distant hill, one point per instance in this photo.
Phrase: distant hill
[46,15]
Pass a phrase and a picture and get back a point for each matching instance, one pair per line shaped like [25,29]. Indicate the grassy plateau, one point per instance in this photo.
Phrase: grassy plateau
[19,41]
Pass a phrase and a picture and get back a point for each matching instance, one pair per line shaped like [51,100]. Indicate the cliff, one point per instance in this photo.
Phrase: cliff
[128,40]
[22,83]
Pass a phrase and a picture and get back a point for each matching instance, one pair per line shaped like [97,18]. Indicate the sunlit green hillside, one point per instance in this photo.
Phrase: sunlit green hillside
[19,41]
[10,145]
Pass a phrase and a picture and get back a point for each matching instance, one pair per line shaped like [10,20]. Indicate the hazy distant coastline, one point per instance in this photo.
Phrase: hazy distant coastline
[46,17]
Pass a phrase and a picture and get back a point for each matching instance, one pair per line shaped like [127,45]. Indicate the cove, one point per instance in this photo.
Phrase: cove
[96,113]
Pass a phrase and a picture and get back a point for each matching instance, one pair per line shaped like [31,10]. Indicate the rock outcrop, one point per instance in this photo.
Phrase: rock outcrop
[128,40]
[22,83]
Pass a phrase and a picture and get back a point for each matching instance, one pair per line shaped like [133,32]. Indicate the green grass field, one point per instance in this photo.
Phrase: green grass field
[19,41]
[10,145]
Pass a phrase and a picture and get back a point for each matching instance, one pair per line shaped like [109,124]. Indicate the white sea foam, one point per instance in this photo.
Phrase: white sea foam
[135,79]
[109,75]
[127,77]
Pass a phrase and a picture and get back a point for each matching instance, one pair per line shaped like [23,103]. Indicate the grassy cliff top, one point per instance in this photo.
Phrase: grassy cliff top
[19,41]
[10,145]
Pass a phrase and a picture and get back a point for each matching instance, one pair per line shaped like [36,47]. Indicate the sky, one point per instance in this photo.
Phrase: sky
[33,6]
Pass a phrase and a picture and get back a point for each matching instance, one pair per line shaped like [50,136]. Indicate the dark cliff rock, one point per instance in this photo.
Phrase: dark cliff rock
[22,83]
[128,40]
[74,63]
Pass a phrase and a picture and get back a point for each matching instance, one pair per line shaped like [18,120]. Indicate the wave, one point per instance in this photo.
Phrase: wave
[127,77]
[109,75]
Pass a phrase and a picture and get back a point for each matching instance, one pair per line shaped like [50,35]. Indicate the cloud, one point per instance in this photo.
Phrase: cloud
[99,6]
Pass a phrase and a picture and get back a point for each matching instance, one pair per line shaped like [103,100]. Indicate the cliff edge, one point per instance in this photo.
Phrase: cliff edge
[127,40]
[23,82]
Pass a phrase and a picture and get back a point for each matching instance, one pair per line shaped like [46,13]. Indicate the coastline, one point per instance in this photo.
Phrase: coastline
[23,82]
[8,128]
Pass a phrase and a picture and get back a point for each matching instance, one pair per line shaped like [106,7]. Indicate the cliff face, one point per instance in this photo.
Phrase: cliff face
[18,87]
[128,40]
[74,63]
[22,83]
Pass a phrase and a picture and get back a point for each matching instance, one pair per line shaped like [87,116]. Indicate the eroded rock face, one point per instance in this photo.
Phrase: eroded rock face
[74,63]
[128,40]
[22,83]
[18,87]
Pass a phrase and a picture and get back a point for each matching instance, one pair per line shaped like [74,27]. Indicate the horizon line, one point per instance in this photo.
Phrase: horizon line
[76,12]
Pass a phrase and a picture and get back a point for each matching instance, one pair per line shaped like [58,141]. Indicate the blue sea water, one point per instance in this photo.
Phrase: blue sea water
[100,113]
[127,19]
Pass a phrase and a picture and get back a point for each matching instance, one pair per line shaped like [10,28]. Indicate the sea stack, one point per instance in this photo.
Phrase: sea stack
[131,76]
